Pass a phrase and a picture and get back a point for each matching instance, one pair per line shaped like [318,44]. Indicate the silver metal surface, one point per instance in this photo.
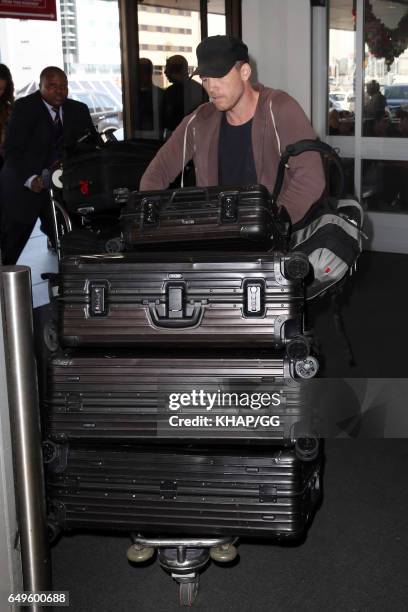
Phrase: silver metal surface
[55,208]
[15,285]
[193,542]
[181,561]
[319,70]
[11,578]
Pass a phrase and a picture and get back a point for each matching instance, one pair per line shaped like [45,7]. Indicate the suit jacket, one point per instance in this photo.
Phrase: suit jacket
[28,145]
[179,100]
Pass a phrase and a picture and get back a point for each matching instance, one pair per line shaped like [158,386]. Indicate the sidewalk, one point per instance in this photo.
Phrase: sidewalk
[39,259]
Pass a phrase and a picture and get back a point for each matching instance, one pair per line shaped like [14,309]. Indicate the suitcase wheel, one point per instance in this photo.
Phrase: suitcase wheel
[297,266]
[307,368]
[49,451]
[53,530]
[298,348]
[50,335]
[307,449]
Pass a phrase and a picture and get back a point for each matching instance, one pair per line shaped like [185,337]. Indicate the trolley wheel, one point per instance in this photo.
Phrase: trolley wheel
[223,553]
[50,335]
[139,554]
[188,592]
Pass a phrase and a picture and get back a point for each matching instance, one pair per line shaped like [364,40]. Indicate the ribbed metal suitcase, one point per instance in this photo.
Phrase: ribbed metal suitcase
[265,493]
[203,215]
[121,397]
[181,299]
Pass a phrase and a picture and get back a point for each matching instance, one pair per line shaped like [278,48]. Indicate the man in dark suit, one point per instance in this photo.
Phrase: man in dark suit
[42,125]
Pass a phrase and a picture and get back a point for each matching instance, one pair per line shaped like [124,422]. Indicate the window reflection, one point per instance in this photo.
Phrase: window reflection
[385,185]
[341,68]
[165,33]
[148,120]
[332,178]
[169,33]
[386,69]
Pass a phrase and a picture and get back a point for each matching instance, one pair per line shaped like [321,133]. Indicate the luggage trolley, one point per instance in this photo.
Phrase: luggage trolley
[84,228]
[183,558]
[62,223]
[268,494]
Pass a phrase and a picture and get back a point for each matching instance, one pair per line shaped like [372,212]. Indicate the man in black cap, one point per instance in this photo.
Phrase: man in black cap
[238,136]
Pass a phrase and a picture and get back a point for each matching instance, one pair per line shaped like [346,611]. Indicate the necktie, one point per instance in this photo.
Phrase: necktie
[57,124]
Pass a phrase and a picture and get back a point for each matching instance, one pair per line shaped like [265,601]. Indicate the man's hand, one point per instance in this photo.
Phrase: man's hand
[37,184]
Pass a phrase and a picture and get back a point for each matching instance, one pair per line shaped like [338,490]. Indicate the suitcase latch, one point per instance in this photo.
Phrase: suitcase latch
[175,312]
[254,297]
[229,208]
[98,306]
[73,403]
[268,493]
[150,215]
[121,196]
[175,301]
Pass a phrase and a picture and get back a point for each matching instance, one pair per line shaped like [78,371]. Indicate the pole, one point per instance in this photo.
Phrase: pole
[25,428]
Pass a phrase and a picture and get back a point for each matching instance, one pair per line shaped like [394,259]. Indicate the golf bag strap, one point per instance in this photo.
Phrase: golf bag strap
[303,146]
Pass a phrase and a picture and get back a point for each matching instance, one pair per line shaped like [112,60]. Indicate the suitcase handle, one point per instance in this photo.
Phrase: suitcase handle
[186,192]
[151,203]
[180,323]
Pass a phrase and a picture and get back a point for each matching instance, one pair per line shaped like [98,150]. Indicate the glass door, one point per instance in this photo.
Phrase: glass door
[84,42]
[364,83]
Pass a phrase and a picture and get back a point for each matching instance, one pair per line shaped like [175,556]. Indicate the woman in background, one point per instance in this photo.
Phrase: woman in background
[6,102]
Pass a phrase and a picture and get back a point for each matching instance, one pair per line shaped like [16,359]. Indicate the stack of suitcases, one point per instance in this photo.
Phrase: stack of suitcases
[170,352]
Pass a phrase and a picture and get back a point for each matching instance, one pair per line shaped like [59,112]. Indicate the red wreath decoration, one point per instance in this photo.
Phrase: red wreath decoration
[383,42]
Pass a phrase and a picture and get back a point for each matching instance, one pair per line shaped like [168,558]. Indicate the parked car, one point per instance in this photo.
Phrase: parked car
[350,102]
[334,105]
[397,97]
[105,112]
[339,99]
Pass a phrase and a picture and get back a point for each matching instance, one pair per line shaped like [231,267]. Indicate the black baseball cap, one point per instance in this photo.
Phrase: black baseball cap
[216,55]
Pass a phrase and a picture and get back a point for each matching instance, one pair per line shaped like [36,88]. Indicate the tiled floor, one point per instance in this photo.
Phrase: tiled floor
[40,260]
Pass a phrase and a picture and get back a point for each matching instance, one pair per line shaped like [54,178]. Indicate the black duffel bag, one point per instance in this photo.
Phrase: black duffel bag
[93,179]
